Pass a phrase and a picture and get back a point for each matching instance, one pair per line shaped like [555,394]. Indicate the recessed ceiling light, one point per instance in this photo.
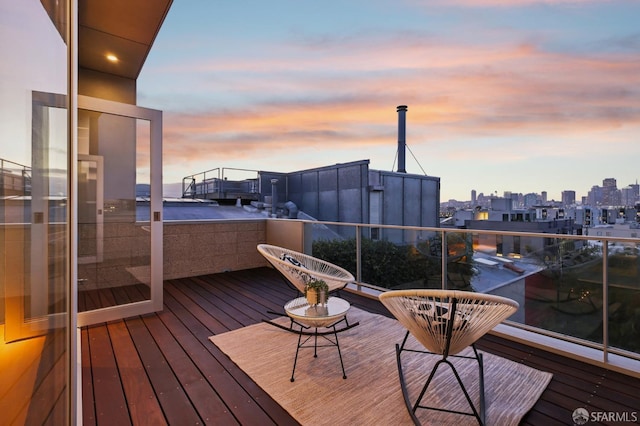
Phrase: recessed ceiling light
[111,57]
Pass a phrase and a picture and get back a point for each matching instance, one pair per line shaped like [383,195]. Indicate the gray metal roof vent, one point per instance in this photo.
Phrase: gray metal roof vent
[402,140]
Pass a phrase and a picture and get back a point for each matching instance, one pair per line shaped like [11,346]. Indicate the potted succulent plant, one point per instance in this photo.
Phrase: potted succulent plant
[317,292]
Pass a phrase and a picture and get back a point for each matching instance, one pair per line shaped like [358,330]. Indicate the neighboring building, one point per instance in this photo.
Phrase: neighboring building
[343,192]
[635,193]
[590,217]
[346,192]
[610,194]
[502,217]
[595,196]
[531,199]
[629,195]
[620,230]
[568,198]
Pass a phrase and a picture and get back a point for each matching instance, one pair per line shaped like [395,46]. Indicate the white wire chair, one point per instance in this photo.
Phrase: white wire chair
[299,268]
[446,322]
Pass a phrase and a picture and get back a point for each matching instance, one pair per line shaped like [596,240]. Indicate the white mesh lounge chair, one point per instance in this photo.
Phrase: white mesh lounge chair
[445,322]
[297,269]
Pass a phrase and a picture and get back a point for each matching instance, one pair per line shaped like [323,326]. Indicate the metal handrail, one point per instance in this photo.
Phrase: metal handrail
[211,181]
[21,172]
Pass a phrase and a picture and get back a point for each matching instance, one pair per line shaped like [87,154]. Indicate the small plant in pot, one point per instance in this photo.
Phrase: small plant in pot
[317,292]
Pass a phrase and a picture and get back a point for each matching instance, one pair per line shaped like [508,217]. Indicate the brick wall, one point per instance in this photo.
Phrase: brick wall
[192,249]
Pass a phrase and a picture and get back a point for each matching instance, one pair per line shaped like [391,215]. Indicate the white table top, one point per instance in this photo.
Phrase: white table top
[317,315]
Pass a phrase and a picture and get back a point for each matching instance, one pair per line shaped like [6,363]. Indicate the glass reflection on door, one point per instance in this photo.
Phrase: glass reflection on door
[90,209]
[34,229]
[114,242]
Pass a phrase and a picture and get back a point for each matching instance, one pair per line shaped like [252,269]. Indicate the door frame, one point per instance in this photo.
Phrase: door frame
[154,117]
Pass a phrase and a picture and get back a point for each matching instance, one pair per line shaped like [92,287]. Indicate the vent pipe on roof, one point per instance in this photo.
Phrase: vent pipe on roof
[274,197]
[402,141]
[292,208]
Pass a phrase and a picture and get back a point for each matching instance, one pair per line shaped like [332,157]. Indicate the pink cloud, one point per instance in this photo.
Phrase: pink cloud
[335,100]
[500,3]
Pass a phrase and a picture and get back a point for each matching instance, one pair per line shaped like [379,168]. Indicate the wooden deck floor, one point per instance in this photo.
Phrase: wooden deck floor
[162,369]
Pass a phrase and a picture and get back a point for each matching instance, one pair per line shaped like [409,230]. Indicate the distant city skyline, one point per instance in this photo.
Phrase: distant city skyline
[634,188]
[520,95]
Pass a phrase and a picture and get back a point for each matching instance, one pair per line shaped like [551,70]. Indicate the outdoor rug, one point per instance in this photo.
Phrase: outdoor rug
[371,394]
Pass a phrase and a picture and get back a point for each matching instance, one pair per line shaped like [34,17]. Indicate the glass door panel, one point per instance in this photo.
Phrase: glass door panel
[37,318]
[36,260]
[118,245]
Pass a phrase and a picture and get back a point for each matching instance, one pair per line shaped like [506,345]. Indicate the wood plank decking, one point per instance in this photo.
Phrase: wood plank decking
[162,369]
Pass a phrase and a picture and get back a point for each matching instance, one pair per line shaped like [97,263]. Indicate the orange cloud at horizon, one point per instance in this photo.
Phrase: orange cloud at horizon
[474,93]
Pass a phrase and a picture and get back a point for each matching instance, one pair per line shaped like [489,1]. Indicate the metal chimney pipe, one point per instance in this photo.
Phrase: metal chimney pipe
[274,196]
[402,140]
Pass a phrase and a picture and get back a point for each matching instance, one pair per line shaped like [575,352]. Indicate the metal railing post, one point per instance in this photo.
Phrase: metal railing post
[605,301]
[443,269]
[359,255]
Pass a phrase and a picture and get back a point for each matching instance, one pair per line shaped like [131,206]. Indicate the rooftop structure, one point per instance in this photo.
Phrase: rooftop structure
[344,192]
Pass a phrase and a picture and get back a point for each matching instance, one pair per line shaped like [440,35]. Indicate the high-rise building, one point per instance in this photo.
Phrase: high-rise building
[610,193]
[629,196]
[594,196]
[568,197]
[635,191]
[473,197]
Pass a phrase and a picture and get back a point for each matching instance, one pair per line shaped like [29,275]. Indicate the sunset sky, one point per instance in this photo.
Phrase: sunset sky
[503,95]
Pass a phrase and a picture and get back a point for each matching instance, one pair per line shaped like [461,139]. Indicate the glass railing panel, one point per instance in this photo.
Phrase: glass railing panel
[460,268]
[494,263]
[389,257]
[559,287]
[335,244]
[623,297]
[399,264]
[558,280]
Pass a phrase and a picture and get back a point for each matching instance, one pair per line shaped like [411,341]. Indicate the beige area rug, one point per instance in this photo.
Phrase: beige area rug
[371,394]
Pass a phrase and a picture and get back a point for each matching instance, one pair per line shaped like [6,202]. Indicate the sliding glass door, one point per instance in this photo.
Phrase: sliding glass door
[119,210]
[37,303]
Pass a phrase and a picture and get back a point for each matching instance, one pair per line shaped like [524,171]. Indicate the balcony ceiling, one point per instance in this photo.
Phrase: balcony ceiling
[124,28]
